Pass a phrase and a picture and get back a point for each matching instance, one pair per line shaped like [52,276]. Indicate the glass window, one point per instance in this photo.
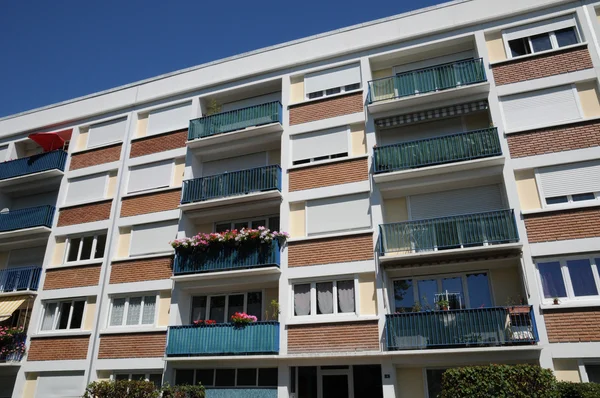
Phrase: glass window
[267,377]
[274,223]
[77,315]
[519,47]
[217,309]
[582,277]
[541,42]
[333,297]
[453,286]
[332,91]
[404,296]
[198,308]
[117,312]
[240,225]
[434,382]
[316,94]
[553,284]
[350,87]
[73,249]
[258,223]
[593,373]
[184,376]
[222,227]
[225,378]
[427,290]
[479,290]
[246,377]
[205,377]
[566,37]
[155,378]
[254,306]
[122,376]
[236,304]
[557,199]
[132,311]
[86,248]
[583,196]
[63,315]
[345,294]
[302,299]
[100,246]
[325,298]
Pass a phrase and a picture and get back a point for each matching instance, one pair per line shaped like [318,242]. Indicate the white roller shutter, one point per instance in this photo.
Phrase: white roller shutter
[540,108]
[331,78]
[340,213]
[150,176]
[570,179]
[29,257]
[152,238]
[169,119]
[320,143]
[244,162]
[60,385]
[456,202]
[245,103]
[86,188]
[537,28]
[107,132]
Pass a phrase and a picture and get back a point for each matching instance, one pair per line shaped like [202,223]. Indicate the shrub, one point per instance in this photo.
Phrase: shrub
[184,391]
[499,381]
[578,390]
[122,389]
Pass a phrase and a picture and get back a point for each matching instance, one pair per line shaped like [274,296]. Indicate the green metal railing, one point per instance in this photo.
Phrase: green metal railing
[33,164]
[495,326]
[489,228]
[238,119]
[223,339]
[438,150]
[420,81]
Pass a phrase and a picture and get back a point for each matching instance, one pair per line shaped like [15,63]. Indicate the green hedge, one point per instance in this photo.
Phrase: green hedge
[140,389]
[578,390]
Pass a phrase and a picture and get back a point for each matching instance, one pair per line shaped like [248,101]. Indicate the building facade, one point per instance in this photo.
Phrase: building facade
[438,173]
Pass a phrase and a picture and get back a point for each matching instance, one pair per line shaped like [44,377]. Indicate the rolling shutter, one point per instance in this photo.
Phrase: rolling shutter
[537,28]
[237,163]
[152,238]
[570,179]
[331,78]
[456,202]
[60,385]
[86,188]
[108,132]
[169,119]
[340,213]
[248,102]
[150,176]
[320,143]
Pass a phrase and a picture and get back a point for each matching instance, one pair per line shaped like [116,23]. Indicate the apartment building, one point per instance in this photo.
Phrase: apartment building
[438,173]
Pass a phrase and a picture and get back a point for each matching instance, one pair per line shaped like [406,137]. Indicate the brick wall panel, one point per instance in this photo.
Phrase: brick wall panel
[559,325]
[58,348]
[94,157]
[133,345]
[333,337]
[544,65]
[150,203]
[329,174]
[330,250]
[563,225]
[555,139]
[151,269]
[64,278]
[84,213]
[326,108]
[158,143]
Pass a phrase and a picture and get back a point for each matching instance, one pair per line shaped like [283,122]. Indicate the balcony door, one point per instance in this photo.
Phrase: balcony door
[335,382]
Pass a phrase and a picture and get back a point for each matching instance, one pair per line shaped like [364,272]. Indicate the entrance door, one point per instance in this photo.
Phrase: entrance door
[336,383]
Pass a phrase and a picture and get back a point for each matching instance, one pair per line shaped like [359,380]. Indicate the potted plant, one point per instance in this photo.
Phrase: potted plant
[417,307]
[517,306]
[556,301]
[201,322]
[241,319]
[443,305]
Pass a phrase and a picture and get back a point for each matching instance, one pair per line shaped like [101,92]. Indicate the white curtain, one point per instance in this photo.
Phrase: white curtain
[48,320]
[345,291]
[116,316]
[134,310]
[149,310]
[325,297]
[302,299]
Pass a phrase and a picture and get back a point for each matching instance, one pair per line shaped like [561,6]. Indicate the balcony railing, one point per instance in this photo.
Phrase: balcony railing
[454,232]
[420,81]
[33,164]
[241,392]
[475,327]
[439,150]
[239,119]
[223,339]
[17,279]
[12,349]
[27,218]
[259,179]
[227,259]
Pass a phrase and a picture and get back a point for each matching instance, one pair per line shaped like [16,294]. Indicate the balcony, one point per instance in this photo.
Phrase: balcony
[446,236]
[31,217]
[39,168]
[476,327]
[19,279]
[12,349]
[259,338]
[238,186]
[227,259]
[455,79]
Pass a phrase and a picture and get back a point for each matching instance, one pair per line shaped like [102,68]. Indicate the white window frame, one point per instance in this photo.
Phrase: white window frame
[82,237]
[209,296]
[325,158]
[567,277]
[212,385]
[126,309]
[57,314]
[343,90]
[313,298]
[248,220]
[570,202]
[146,374]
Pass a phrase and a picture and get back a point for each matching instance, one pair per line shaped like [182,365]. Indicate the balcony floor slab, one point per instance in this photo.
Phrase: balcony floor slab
[227,141]
[230,200]
[25,236]
[47,178]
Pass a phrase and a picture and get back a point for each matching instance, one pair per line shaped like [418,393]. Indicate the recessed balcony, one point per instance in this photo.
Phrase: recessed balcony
[19,279]
[32,217]
[12,349]
[37,168]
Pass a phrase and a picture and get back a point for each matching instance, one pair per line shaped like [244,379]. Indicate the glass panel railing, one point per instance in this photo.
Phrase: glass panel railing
[238,119]
[454,232]
[33,164]
[26,218]
[420,81]
[438,150]
[18,279]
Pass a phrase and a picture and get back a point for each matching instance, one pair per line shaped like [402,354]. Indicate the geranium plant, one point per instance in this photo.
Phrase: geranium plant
[12,343]
[201,322]
[234,238]
[241,318]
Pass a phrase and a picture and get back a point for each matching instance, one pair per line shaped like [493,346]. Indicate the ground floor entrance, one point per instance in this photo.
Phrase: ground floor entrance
[339,381]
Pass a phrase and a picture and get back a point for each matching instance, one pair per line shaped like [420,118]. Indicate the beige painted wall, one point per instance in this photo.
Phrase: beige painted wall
[367,294]
[142,125]
[124,242]
[30,385]
[379,74]
[297,219]
[164,305]
[111,189]
[589,98]
[296,89]
[495,46]
[358,139]
[59,251]
[566,370]
[82,139]
[270,295]
[395,210]
[90,312]
[409,383]
[477,121]
[506,285]
[527,190]
[274,157]
[3,259]
[178,172]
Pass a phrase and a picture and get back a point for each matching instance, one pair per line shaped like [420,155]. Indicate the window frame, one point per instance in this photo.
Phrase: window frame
[212,385]
[248,220]
[126,309]
[570,202]
[57,314]
[211,295]
[131,169]
[146,374]
[313,297]
[68,242]
[343,90]
[594,265]
[553,40]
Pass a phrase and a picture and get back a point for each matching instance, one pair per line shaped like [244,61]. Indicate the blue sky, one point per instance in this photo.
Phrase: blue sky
[56,50]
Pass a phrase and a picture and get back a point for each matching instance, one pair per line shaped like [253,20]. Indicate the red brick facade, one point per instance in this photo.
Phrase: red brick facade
[84,213]
[555,139]
[563,225]
[93,157]
[64,278]
[329,174]
[330,250]
[158,143]
[150,269]
[333,337]
[150,203]
[326,108]
[573,325]
[543,65]
[58,348]
[133,345]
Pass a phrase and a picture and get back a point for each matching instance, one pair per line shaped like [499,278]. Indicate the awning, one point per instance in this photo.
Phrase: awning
[447,111]
[52,141]
[9,305]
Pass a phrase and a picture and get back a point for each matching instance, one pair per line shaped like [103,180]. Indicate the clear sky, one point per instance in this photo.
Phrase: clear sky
[52,51]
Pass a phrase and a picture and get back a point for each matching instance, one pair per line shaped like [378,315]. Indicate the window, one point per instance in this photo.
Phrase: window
[434,382]
[107,132]
[85,247]
[169,119]
[331,214]
[86,188]
[320,145]
[61,315]
[469,290]
[132,311]
[269,222]
[150,176]
[570,278]
[332,81]
[593,372]
[542,36]
[156,378]
[241,377]
[152,238]
[220,308]
[570,183]
[325,298]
